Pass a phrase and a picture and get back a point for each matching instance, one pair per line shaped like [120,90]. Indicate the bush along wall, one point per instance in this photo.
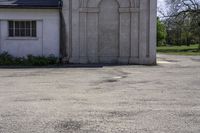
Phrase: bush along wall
[7,60]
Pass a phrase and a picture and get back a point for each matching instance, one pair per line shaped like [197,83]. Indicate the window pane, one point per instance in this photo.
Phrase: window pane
[22,32]
[28,23]
[10,29]
[28,32]
[34,29]
[22,25]
[28,26]
[22,28]
[10,24]
[17,33]
[17,24]
[11,33]
[33,24]
[33,33]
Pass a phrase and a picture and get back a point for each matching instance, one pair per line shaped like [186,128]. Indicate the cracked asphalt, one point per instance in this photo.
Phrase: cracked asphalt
[110,99]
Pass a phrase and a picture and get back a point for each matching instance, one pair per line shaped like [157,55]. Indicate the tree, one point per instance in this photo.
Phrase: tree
[183,6]
[185,14]
[161,32]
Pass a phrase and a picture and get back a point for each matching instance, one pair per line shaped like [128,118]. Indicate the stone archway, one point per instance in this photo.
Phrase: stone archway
[133,20]
[110,31]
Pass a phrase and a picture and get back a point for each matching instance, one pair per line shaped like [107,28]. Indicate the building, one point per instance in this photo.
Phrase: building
[29,27]
[80,31]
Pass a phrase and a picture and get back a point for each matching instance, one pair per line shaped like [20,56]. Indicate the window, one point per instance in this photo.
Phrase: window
[22,29]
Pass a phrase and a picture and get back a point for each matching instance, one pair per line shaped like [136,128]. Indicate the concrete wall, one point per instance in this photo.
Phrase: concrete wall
[111,31]
[47,40]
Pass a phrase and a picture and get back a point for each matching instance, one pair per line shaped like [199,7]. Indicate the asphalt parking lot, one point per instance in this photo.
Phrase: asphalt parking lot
[110,99]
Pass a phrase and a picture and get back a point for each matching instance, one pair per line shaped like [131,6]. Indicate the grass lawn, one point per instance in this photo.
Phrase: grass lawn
[179,50]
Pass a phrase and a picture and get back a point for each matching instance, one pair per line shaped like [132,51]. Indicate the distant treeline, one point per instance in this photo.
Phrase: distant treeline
[181,24]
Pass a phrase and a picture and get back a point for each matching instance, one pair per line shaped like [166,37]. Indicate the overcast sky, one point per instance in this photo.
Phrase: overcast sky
[161,5]
[160,2]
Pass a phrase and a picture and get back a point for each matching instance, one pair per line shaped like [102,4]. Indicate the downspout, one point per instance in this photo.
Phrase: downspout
[63,48]
[0,37]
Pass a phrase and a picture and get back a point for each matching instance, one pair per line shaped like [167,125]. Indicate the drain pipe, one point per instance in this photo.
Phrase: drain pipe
[63,52]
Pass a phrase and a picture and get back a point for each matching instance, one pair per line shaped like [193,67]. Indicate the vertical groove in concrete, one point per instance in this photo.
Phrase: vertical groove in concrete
[70,28]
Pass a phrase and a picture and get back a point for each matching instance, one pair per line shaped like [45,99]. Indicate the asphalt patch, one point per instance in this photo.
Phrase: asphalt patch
[46,99]
[172,60]
[125,113]
[110,80]
[196,60]
[33,100]
[68,126]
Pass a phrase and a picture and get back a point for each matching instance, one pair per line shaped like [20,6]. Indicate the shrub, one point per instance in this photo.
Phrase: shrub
[41,60]
[6,59]
[30,60]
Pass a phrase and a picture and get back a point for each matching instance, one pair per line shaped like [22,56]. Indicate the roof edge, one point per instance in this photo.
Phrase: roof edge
[59,5]
[31,7]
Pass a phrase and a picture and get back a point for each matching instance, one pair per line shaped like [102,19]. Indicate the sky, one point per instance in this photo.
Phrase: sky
[161,6]
[161,2]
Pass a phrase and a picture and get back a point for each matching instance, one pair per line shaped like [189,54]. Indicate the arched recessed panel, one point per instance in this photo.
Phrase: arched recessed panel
[109,29]
[124,3]
[97,3]
[93,3]
[135,3]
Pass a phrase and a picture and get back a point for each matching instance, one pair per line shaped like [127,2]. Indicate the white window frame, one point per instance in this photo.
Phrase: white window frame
[14,35]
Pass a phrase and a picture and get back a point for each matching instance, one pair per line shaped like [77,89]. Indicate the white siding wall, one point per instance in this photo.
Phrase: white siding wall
[47,41]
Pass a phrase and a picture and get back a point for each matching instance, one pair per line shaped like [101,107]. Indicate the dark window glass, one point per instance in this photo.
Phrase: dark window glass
[33,33]
[22,28]
[34,24]
[28,33]
[33,28]
[22,32]
[17,24]
[10,23]
[17,32]
[11,34]
[28,24]
[28,28]
[11,28]
[22,24]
